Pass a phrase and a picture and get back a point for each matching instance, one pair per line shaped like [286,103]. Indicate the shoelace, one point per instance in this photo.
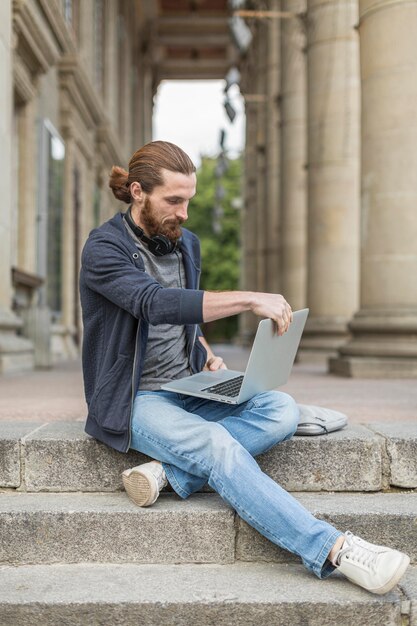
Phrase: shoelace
[357,552]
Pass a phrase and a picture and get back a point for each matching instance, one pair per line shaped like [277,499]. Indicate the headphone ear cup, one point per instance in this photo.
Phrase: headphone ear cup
[160,245]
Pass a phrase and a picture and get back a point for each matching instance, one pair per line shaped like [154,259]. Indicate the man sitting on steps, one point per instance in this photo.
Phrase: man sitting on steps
[141,310]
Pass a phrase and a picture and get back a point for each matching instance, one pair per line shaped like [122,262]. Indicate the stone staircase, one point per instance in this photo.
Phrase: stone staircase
[75,551]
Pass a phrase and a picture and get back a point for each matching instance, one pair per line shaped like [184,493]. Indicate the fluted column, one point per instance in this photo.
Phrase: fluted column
[249,222]
[16,353]
[5,160]
[249,213]
[68,249]
[26,178]
[147,102]
[261,208]
[384,341]
[272,235]
[294,155]
[333,172]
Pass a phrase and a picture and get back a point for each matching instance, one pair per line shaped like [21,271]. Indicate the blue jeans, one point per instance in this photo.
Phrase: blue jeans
[201,441]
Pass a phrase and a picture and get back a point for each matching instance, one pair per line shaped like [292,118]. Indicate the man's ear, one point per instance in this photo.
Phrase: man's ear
[136,191]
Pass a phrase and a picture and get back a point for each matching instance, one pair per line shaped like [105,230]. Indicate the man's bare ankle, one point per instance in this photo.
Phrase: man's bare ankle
[337,546]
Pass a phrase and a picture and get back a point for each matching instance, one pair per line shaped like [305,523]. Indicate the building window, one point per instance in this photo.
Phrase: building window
[67,11]
[71,12]
[50,216]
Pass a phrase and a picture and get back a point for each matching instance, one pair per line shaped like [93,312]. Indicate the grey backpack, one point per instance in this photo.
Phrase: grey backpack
[317,420]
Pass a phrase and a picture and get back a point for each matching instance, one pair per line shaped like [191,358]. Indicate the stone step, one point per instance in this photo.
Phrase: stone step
[107,527]
[383,518]
[60,456]
[242,594]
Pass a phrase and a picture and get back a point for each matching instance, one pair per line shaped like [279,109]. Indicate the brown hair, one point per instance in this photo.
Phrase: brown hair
[145,167]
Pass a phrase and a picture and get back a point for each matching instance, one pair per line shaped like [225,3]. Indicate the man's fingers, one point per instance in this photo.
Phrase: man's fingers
[215,363]
[280,325]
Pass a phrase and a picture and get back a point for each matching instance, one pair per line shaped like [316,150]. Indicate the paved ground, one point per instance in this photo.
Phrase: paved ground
[58,394]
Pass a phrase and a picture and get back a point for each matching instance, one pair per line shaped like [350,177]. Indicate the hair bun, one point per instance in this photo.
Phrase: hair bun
[118,183]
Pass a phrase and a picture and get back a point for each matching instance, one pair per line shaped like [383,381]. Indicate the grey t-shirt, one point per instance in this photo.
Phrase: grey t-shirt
[166,355]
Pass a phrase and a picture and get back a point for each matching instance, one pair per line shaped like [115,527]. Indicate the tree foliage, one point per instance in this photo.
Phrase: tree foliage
[220,250]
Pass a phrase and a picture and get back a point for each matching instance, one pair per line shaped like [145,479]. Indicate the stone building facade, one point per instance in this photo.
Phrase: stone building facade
[78,99]
[330,216]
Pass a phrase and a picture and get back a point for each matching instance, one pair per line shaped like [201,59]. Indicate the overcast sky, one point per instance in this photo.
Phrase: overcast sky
[191,114]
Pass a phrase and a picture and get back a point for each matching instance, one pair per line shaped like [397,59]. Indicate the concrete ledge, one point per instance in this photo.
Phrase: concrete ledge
[373,367]
[385,519]
[103,527]
[72,528]
[61,457]
[11,435]
[163,595]
[401,445]
[347,460]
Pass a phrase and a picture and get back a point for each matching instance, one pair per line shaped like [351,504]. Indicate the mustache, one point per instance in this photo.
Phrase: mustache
[174,220]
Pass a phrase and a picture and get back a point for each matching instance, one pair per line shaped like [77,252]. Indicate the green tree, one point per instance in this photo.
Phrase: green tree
[219,234]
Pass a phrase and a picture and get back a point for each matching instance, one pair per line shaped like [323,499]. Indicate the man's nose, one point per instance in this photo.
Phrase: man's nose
[182,211]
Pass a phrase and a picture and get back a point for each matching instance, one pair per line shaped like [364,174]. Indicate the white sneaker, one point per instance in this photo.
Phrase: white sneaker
[144,482]
[375,568]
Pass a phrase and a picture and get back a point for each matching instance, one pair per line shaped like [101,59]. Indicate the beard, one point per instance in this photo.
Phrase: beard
[153,226]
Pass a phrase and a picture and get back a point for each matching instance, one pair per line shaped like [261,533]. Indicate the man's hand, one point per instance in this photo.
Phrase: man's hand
[275,307]
[214,363]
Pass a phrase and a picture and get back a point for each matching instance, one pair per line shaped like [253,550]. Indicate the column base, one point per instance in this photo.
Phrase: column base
[16,353]
[64,347]
[383,345]
[322,338]
[368,367]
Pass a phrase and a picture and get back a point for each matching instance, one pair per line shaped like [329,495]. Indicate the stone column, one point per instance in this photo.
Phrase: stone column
[86,50]
[26,176]
[272,235]
[294,155]
[63,346]
[112,97]
[16,353]
[333,172]
[261,208]
[260,216]
[384,341]
[248,274]
[147,101]
[249,222]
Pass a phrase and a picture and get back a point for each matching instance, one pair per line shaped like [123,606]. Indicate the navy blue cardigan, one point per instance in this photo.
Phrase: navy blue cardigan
[119,300]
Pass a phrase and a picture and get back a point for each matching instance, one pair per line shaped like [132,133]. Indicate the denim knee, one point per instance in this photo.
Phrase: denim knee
[282,411]
[292,415]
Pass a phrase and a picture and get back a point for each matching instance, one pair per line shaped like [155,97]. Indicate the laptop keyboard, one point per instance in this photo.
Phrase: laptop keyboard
[229,388]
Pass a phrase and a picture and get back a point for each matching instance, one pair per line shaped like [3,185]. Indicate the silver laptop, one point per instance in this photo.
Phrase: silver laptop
[269,366]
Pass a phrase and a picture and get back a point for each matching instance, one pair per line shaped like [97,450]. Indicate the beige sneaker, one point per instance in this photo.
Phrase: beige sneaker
[375,568]
[144,482]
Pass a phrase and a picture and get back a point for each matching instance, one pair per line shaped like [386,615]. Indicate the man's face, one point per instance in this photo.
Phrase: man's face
[165,209]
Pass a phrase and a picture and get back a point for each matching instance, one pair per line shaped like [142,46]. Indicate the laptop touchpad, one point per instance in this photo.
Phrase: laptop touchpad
[202,379]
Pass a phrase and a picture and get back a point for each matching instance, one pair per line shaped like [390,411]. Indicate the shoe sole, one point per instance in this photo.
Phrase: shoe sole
[395,578]
[138,488]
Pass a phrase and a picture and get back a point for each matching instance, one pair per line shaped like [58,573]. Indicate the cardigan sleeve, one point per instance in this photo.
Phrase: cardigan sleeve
[109,268]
